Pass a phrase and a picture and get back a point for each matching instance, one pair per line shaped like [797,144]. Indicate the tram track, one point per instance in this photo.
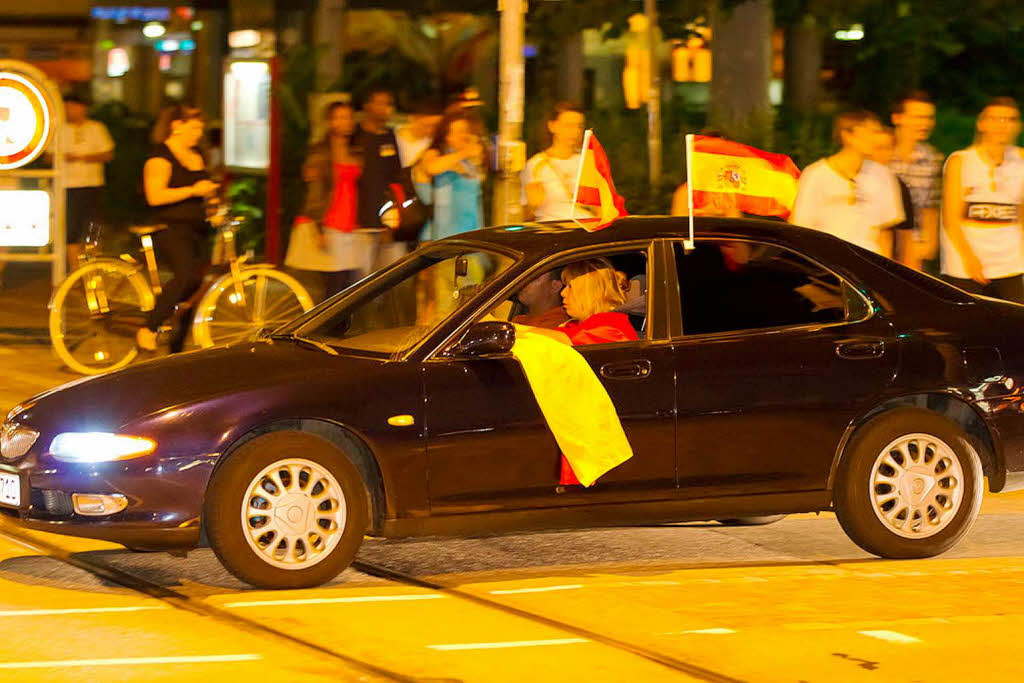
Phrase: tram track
[182,601]
[187,603]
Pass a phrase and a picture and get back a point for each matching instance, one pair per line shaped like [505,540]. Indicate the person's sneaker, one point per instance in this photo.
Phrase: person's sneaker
[145,339]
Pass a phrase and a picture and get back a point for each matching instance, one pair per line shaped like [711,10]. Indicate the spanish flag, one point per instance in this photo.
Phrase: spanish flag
[764,183]
[595,188]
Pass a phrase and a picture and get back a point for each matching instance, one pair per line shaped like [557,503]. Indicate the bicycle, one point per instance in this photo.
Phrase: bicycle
[96,311]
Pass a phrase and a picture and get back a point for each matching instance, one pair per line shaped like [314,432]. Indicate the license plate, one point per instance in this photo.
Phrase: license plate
[10,490]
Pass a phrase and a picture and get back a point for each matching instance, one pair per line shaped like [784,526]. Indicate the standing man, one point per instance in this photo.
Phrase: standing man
[982,193]
[88,146]
[550,176]
[848,195]
[919,166]
[382,167]
[904,244]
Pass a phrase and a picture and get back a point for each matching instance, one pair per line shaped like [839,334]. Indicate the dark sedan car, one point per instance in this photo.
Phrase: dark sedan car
[778,370]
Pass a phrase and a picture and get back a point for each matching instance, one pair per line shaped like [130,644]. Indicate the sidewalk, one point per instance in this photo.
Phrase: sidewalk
[23,304]
[27,364]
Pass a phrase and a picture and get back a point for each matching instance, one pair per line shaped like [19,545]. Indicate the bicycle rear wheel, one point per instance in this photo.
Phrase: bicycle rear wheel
[236,310]
[95,313]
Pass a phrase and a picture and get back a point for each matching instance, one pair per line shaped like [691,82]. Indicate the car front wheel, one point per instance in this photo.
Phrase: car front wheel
[286,510]
[909,485]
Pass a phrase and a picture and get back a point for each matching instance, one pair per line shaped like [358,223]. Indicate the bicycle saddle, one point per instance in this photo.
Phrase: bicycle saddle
[141,230]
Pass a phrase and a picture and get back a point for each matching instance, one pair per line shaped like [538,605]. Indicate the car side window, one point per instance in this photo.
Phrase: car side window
[732,285]
[622,289]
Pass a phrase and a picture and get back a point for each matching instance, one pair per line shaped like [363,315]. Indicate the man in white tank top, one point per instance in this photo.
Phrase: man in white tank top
[983,189]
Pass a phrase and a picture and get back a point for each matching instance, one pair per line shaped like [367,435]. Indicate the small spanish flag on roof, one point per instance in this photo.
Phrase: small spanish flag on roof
[595,189]
[763,183]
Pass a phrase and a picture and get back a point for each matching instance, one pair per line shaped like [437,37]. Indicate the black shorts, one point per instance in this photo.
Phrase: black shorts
[83,205]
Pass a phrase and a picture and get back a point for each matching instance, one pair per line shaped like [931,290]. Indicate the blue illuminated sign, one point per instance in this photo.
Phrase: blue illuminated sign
[123,14]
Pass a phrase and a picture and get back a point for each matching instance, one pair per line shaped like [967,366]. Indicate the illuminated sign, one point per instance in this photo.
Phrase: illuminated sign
[123,14]
[118,62]
[25,221]
[247,115]
[244,38]
[25,125]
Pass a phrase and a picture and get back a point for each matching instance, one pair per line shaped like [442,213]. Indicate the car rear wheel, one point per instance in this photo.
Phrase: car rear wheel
[909,485]
[286,510]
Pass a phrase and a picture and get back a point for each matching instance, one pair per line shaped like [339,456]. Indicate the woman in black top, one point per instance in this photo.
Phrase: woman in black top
[176,183]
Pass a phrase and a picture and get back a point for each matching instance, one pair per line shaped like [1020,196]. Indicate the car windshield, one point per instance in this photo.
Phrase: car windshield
[395,311]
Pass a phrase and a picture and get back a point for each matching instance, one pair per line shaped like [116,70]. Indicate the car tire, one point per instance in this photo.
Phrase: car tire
[909,485]
[760,520]
[317,505]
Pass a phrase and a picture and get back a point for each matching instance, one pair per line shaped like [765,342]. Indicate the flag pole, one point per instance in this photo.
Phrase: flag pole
[688,244]
[579,174]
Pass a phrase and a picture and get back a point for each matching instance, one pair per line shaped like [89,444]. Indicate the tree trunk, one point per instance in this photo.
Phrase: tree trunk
[804,47]
[741,51]
[570,76]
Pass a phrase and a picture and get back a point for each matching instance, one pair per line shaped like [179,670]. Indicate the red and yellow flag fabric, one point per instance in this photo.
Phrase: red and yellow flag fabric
[595,189]
[763,183]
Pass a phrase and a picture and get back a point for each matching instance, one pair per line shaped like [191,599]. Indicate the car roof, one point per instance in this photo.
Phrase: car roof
[536,239]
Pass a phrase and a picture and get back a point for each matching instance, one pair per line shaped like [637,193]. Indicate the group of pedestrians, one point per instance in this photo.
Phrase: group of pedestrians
[360,174]
[889,191]
[885,189]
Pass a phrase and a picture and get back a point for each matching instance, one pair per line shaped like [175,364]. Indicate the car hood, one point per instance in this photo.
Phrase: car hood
[107,402]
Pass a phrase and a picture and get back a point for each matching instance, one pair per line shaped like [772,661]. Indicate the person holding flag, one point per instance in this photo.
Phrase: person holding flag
[549,175]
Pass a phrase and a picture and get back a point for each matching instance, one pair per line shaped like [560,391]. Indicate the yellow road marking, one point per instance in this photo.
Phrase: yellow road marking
[128,661]
[508,643]
[332,601]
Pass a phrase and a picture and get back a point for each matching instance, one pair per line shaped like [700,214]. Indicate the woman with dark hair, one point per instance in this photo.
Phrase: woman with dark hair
[326,236]
[176,183]
[549,176]
[455,164]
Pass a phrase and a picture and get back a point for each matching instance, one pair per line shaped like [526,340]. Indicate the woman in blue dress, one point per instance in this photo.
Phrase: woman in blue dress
[455,165]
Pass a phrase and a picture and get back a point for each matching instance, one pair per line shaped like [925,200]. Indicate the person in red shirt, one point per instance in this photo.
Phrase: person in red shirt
[592,293]
[592,290]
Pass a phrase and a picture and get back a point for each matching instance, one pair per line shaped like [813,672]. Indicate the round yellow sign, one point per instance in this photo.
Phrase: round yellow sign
[25,121]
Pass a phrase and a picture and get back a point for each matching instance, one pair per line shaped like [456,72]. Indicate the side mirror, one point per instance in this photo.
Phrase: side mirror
[486,338]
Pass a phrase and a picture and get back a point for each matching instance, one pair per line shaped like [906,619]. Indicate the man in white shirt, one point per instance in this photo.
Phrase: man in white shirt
[550,176]
[87,146]
[416,136]
[846,194]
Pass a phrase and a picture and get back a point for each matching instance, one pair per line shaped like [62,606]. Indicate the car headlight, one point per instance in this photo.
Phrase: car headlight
[99,446]
[15,440]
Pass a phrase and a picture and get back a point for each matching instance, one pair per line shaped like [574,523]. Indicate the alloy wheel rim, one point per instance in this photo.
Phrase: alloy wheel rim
[917,486]
[293,513]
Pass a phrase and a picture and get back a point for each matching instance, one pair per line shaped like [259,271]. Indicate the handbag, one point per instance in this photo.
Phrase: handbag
[404,212]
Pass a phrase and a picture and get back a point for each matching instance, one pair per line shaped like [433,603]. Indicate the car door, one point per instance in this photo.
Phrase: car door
[489,447]
[770,370]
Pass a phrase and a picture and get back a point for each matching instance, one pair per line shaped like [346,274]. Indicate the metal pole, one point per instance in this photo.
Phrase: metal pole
[511,84]
[653,96]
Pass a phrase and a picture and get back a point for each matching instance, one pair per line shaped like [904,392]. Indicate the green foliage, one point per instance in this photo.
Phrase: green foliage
[297,82]
[363,70]
[130,131]
[247,196]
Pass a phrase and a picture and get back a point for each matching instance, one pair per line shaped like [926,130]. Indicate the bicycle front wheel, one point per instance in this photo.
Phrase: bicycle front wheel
[234,310]
[95,313]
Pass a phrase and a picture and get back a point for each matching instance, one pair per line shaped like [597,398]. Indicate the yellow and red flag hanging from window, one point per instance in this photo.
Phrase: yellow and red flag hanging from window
[595,189]
[763,183]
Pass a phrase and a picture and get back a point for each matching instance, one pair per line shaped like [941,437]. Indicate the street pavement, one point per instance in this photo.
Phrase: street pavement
[791,601]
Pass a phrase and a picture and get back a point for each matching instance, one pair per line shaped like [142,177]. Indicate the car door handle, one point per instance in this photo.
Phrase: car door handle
[858,349]
[629,369]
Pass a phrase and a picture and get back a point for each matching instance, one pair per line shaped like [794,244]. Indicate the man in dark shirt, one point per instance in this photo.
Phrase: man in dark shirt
[381,167]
